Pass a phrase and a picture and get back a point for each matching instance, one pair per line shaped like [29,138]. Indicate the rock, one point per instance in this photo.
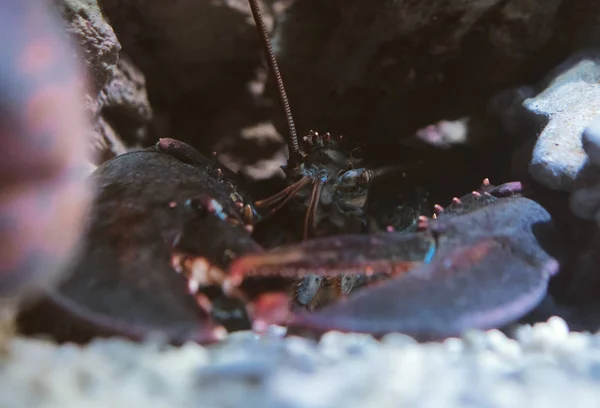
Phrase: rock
[591,141]
[569,102]
[105,141]
[375,71]
[584,201]
[116,99]
[99,45]
[445,134]
[125,102]
[199,59]
[378,71]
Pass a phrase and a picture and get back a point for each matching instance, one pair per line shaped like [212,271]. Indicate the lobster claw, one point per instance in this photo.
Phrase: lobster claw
[374,257]
[128,280]
[128,290]
[483,286]
[491,266]
[383,253]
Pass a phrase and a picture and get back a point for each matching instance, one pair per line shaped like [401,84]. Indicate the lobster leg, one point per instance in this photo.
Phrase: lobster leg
[286,193]
[311,212]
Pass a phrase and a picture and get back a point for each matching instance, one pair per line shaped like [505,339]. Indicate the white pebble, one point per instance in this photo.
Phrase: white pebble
[398,340]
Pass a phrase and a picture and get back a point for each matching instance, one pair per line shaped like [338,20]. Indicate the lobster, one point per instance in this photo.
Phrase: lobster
[169,225]
[168,248]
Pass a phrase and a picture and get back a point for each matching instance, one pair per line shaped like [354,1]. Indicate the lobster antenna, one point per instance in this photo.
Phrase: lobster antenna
[264,36]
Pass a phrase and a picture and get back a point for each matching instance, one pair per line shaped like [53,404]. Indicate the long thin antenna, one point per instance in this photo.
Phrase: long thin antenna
[264,35]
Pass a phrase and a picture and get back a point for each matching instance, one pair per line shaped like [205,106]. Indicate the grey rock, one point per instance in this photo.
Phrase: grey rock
[584,201]
[125,102]
[105,142]
[569,103]
[97,40]
[380,70]
[372,70]
[583,287]
[591,141]
[117,101]
[199,59]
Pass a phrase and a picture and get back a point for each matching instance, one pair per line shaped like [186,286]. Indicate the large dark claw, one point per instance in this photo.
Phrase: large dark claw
[490,267]
[149,207]
[126,286]
[483,286]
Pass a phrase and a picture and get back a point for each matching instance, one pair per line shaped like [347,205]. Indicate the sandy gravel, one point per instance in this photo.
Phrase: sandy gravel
[544,366]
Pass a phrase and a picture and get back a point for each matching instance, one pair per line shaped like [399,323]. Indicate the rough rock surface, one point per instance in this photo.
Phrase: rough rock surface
[591,141]
[585,199]
[380,70]
[202,62]
[544,366]
[116,97]
[569,103]
[376,71]
[584,202]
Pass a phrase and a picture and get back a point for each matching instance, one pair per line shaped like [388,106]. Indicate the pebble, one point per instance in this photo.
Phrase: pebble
[545,365]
